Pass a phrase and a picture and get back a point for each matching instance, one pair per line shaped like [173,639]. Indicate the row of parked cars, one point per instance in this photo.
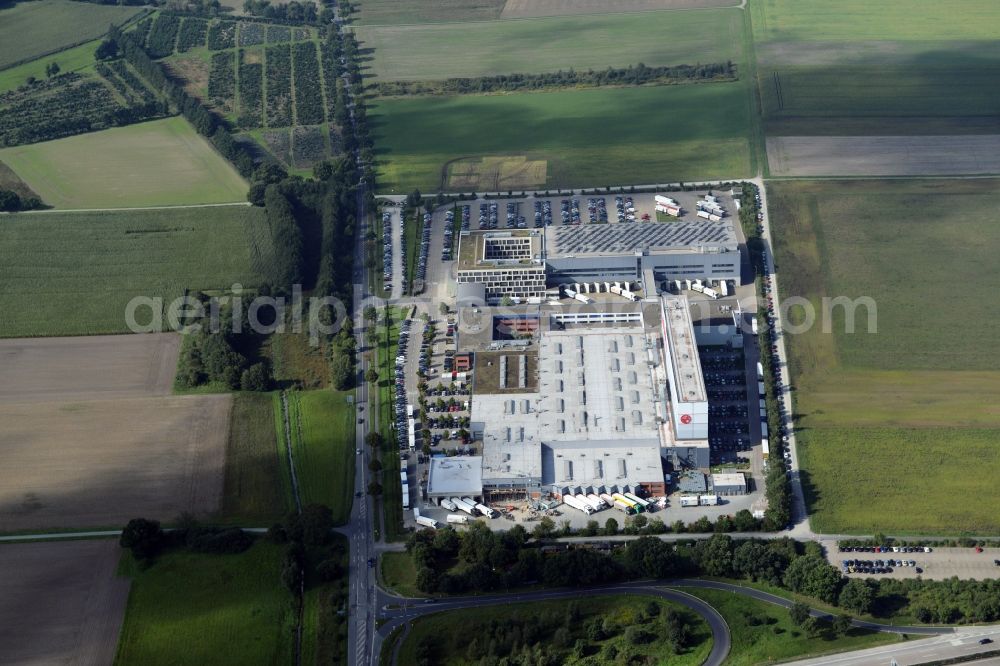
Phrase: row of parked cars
[884,549]
[387,250]
[877,566]
[626,209]
[543,213]
[402,426]
[598,210]
[425,246]
[488,215]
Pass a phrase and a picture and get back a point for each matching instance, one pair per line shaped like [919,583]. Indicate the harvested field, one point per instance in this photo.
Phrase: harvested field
[10,181]
[99,464]
[109,367]
[531,8]
[60,603]
[884,155]
[158,163]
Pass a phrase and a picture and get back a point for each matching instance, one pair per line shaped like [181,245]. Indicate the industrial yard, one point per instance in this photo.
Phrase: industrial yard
[505,406]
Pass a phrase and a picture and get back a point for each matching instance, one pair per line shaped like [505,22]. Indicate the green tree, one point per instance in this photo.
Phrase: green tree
[341,371]
[312,526]
[256,378]
[857,596]
[143,537]
[544,529]
[371,376]
[370,313]
[374,488]
[842,624]
[374,439]
[610,527]
[799,612]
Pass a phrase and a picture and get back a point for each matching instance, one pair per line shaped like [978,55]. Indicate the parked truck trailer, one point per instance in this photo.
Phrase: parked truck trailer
[578,504]
[457,519]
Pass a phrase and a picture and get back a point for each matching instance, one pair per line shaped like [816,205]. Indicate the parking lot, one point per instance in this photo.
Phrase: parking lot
[939,564]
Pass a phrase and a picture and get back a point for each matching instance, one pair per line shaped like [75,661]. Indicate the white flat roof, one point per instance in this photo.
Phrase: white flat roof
[683,350]
[604,466]
[457,475]
[729,479]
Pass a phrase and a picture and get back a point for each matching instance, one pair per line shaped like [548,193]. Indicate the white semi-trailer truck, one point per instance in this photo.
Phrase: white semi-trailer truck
[462,505]
[457,519]
[578,504]
[487,511]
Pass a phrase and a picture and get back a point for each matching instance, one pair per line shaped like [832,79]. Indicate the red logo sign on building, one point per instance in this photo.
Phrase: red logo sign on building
[685,419]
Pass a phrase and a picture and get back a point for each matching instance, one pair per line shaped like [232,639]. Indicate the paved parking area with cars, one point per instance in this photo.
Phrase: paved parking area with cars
[938,564]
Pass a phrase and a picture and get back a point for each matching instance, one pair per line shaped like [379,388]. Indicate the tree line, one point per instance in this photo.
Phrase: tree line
[480,560]
[633,75]
[12,202]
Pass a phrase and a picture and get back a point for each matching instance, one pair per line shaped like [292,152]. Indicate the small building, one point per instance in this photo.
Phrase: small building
[730,483]
[692,482]
[456,476]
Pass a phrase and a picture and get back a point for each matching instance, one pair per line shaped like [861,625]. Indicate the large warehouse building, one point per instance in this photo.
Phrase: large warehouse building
[674,251]
[521,263]
[686,384]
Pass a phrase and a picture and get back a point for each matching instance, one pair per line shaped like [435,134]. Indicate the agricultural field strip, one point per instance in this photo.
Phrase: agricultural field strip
[32,30]
[884,155]
[517,9]
[86,464]
[153,163]
[87,368]
[61,603]
[439,51]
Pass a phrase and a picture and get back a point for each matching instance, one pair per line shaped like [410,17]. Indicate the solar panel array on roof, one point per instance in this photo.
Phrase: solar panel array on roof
[629,237]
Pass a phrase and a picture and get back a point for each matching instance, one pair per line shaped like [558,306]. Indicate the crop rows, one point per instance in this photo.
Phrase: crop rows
[278,65]
[222,35]
[251,34]
[308,89]
[71,106]
[279,143]
[308,146]
[163,35]
[222,80]
[251,93]
[134,82]
[142,29]
[117,83]
[329,55]
[192,34]
[278,34]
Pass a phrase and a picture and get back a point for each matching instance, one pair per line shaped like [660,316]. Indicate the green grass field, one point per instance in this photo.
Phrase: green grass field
[196,609]
[159,163]
[439,51]
[898,417]
[79,59]
[29,30]
[399,574]
[598,137]
[74,273]
[847,68]
[858,20]
[450,647]
[254,492]
[396,12]
[323,449]
[774,637]
[901,480]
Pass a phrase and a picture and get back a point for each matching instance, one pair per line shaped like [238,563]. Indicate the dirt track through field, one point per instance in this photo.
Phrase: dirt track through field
[884,155]
[99,464]
[532,8]
[103,367]
[60,603]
